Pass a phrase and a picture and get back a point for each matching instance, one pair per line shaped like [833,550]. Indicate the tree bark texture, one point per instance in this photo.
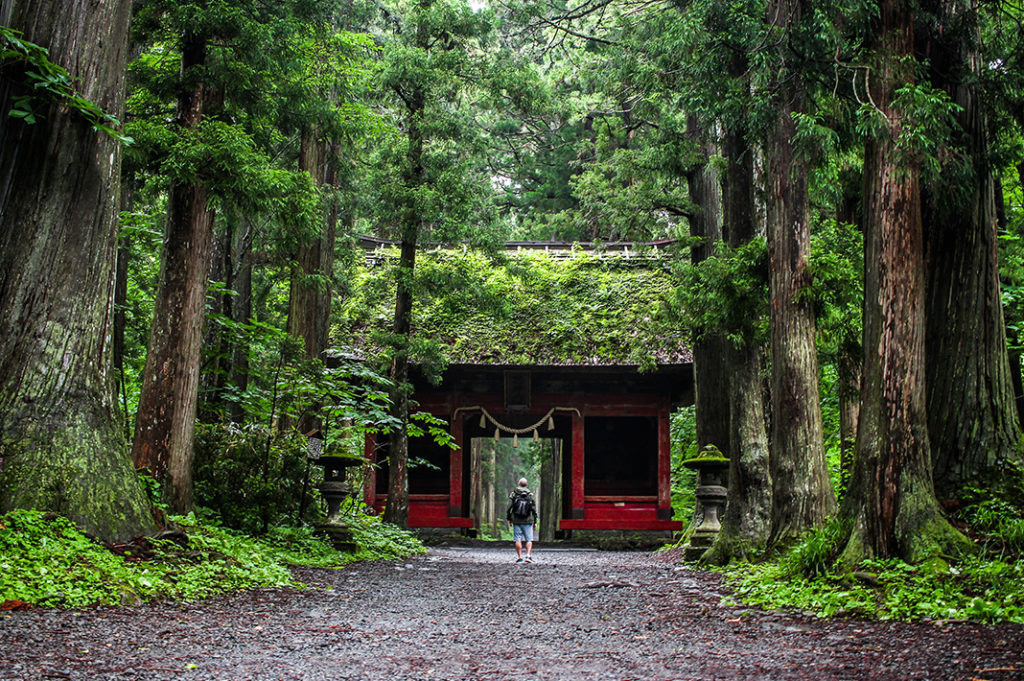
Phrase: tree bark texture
[216,355]
[61,447]
[891,503]
[240,307]
[849,410]
[972,421]
[165,424]
[710,351]
[746,522]
[309,308]
[802,495]
[227,352]
[309,300]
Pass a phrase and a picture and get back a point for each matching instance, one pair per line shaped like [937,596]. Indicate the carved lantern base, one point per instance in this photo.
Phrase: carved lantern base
[335,489]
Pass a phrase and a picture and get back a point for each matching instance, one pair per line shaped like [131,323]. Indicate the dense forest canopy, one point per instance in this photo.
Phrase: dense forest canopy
[837,181]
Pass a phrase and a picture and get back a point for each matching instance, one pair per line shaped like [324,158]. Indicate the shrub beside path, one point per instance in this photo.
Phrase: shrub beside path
[472,613]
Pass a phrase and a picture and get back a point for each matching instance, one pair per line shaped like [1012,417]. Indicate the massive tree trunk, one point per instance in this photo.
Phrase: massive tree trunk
[165,425]
[891,504]
[972,424]
[802,495]
[709,350]
[746,522]
[61,447]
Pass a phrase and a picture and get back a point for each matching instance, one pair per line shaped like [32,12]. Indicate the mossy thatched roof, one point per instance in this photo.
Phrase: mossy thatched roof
[531,308]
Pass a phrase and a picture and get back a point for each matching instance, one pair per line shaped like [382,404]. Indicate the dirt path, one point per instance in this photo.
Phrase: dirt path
[472,614]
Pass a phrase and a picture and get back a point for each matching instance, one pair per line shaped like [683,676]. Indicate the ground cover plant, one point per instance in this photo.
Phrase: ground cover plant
[986,587]
[46,561]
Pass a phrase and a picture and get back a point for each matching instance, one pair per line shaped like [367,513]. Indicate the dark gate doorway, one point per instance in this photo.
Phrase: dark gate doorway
[495,468]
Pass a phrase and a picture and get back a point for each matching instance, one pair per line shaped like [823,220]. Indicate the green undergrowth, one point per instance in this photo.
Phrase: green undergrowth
[45,560]
[988,587]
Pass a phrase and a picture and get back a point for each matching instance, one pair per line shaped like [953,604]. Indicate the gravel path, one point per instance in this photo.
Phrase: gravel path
[473,614]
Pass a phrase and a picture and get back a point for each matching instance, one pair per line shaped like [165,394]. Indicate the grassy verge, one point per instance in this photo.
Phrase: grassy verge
[987,588]
[984,590]
[46,561]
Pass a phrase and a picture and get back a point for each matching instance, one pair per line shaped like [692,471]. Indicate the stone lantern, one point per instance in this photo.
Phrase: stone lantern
[334,489]
[711,492]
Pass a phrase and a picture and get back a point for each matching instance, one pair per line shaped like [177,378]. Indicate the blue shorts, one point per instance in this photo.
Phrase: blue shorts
[522,532]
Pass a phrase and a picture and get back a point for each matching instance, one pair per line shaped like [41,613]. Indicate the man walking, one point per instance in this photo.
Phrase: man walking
[522,516]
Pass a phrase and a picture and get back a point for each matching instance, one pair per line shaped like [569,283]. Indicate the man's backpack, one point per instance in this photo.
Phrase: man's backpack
[522,506]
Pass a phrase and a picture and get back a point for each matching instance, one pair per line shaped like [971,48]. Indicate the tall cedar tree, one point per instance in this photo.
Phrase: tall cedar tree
[61,448]
[747,520]
[802,496]
[309,299]
[311,286]
[397,511]
[891,504]
[436,184]
[165,421]
[224,88]
[972,423]
[710,370]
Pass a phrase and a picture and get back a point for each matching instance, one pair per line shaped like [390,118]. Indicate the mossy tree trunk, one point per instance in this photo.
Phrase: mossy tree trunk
[745,525]
[891,503]
[710,351]
[61,447]
[165,423]
[972,421]
[802,495]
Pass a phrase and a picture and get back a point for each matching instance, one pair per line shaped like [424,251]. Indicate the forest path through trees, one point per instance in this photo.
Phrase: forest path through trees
[471,613]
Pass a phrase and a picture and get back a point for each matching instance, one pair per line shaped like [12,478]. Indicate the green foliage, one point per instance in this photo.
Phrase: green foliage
[47,82]
[726,293]
[926,124]
[1001,521]
[978,589]
[377,540]
[831,428]
[48,561]
[251,476]
[816,553]
[997,515]
[985,588]
[45,560]
[532,308]
[683,432]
